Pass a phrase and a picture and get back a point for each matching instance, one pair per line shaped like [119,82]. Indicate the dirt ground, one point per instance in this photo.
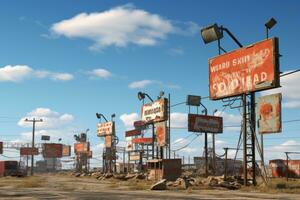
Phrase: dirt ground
[58,186]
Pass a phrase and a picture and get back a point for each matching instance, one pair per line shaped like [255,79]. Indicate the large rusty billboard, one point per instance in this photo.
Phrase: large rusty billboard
[248,69]
[161,133]
[269,113]
[26,151]
[105,128]
[52,150]
[155,111]
[81,147]
[205,123]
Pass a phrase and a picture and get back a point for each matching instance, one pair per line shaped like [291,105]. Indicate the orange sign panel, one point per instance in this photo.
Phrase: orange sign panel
[81,147]
[26,151]
[66,150]
[108,141]
[52,150]
[161,132]
[142,140]
[249,69]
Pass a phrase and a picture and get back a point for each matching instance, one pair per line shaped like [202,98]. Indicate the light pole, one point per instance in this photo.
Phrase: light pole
[32,144]
[205,143]
[214,149]
[215,33]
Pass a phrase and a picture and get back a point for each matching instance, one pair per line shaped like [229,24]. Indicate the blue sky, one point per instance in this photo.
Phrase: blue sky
[65,61]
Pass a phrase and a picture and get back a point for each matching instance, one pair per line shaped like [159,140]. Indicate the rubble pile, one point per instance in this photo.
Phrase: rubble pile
[231,183]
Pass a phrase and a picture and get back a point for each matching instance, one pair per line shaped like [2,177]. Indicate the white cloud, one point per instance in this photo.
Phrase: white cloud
[290,90]
[229,119]
[189,150]
[179,119]
[61,76]
[18,73]
[118,26]
[15,73]
[145,83]
[51,119]
[176,52]
[140,84]
[121,26]
[129,119]
[102,73]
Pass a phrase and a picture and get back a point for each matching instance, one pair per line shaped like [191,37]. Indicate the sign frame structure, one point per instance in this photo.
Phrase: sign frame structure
[105,128]
[45,137]
[161,133]
[248,69]
[52,150]
[27,151]
[155,111]
[200,123]
[108,141]
[269,114]
[1,147]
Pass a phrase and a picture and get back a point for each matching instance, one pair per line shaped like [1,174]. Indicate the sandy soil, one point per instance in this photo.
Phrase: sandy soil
[51,186]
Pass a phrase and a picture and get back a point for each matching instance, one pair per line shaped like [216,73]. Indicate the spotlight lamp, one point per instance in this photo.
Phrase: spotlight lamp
[141,96]
[211,33]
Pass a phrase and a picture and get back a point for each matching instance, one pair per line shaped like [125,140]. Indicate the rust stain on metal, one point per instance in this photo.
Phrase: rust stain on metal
[155,111]
[269,113]
[81,147]
[132,133]
[160,131]
[248,69]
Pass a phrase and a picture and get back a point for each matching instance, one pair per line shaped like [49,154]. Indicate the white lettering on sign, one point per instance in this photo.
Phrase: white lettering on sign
[105,128]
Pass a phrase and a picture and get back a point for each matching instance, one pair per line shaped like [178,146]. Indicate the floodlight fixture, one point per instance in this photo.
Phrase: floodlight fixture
[211,33]
[141,95]
[270,23]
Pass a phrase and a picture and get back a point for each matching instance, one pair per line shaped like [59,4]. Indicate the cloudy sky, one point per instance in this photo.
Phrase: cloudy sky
[63,61]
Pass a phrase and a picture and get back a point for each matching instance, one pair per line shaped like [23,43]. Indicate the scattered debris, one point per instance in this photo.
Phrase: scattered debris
[161,185]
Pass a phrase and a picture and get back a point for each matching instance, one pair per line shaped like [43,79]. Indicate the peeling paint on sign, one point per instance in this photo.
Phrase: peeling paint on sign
[160,131]
[155,111]
[269,113]
[248,69]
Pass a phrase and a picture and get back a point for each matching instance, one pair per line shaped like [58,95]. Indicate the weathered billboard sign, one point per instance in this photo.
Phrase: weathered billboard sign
[142,140]
[161,133]
[52,150]
[192,100]
[66,151]
[139,125]
[269,113]
[134,156]
[205,123]
[132,133]
[105,128]
[45,137]
[248,69]
[26,151]
[1,147]
[155,111]
[129,145]
[81,147]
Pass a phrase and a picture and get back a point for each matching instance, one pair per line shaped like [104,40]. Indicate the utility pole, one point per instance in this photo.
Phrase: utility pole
[32,146]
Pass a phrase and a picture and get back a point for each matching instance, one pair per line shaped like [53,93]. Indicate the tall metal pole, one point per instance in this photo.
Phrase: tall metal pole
[244,131]
[169,130]
[253,136]
[214,154]
[225,164]
[32,144]
[206,150]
